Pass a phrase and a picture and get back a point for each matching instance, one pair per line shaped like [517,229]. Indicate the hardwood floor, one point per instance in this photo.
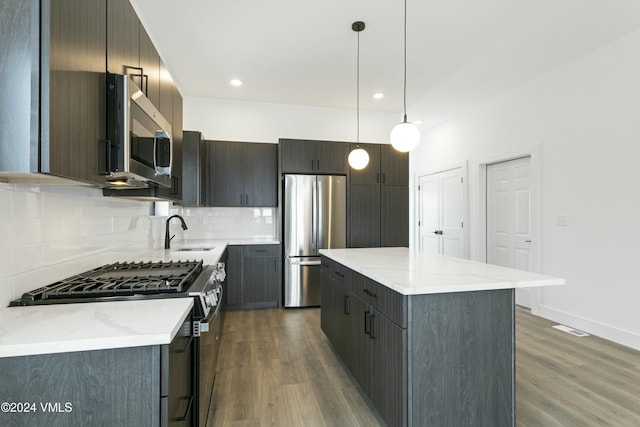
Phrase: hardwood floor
[276,368]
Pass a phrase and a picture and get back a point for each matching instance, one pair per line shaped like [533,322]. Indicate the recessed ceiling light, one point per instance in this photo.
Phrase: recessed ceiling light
[378,95]
[236,82]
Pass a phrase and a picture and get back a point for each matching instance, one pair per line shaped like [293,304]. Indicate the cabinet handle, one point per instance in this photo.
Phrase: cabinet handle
[366,317]
[346,305]
[339,274]
[246,200]
[372,318]
[187,411]
[377,177]
[241,199]
[317,165]
[313,163]
[371,294]
[384,177]
[260,250]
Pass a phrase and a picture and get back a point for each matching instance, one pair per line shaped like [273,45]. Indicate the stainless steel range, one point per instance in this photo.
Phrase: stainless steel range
[144,280]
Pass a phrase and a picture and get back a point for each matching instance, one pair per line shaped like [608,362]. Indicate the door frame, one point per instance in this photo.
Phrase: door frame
[415,232]
[535,154]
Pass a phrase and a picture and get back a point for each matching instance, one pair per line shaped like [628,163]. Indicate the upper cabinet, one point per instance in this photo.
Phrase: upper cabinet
[387,166]
[313,157]
[130,50]
[52,111]
[193,169]
[242,174]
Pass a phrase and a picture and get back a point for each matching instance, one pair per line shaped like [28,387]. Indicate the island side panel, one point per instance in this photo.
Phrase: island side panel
[461,360]
[114,387]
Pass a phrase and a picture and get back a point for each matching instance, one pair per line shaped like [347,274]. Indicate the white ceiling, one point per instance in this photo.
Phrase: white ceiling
[460,52]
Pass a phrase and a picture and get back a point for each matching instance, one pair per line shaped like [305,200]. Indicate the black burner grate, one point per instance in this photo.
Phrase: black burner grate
[121,279]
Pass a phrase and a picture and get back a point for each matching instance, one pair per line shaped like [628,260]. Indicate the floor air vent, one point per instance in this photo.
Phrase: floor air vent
[571,331]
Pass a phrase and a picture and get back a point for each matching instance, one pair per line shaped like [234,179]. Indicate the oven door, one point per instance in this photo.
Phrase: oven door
[208,345]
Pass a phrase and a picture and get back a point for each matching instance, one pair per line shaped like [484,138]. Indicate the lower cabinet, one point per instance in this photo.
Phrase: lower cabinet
[133,386]
[424,360]
[253,276]
[368,342]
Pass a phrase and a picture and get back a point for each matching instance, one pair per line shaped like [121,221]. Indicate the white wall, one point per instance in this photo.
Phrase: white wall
[265,122]
[582,123]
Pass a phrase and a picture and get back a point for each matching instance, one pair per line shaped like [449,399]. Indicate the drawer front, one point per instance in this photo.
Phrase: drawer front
[342,276]
[261,251]
[386,301]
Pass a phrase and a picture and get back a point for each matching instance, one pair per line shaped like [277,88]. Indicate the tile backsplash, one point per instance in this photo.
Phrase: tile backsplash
[52,232]
[227,223]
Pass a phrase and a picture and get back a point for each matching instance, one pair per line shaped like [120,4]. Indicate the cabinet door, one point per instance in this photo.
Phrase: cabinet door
[225,187]
[394,166]
[331,157]
[260,174]
[370,175]
[123,35]
[389,370]
[74,120]
[193,155]
[259,280]
[176,126]
[361,352]
[234,275]
[394,216]
[150,64]
[364,216]
[297,156]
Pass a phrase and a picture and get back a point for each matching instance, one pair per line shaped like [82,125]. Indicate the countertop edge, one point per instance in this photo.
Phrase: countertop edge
[498,285]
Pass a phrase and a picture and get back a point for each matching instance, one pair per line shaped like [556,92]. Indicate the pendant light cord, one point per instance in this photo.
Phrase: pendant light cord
[358,91]
[405,62]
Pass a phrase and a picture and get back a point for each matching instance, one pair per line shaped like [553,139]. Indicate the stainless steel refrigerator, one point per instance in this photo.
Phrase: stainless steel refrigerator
[315,217]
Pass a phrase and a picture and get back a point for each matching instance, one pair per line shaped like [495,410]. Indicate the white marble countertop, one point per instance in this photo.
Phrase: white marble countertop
[411,272]
[62,328]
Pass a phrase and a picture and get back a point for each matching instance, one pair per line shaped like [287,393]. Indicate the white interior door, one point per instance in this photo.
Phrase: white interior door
[510,222]
[451,212]
[441,198]
[429,224]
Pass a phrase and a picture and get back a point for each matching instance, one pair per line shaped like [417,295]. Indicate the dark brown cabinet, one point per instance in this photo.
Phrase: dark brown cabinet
[336,297]
[150,65]
[132,386]
[242,174]
[193,169]
[379,199]
[253,276]
[429,359]
[313,157]
[366,324]
[131,51]
[387,166]
[73,119]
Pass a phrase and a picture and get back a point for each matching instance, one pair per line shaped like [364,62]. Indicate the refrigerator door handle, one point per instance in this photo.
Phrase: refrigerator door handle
[314,217]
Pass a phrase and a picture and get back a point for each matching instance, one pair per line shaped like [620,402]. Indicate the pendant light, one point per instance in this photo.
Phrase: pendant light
[358,157]
[405,136]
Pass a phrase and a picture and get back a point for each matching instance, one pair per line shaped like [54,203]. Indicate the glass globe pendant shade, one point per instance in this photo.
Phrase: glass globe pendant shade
[358,158]
[405,137]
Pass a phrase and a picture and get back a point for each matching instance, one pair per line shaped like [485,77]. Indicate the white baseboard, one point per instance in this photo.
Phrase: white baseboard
[617,335]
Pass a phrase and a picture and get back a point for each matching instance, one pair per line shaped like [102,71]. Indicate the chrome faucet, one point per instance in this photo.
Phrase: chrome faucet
[167,239]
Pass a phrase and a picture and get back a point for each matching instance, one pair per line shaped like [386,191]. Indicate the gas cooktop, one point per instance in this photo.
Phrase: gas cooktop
[118,280]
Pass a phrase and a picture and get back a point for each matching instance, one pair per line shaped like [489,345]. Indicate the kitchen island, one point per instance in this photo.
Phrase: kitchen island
[430,339]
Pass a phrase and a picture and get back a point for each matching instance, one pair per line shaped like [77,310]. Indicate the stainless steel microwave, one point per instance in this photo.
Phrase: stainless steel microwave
[140,146]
